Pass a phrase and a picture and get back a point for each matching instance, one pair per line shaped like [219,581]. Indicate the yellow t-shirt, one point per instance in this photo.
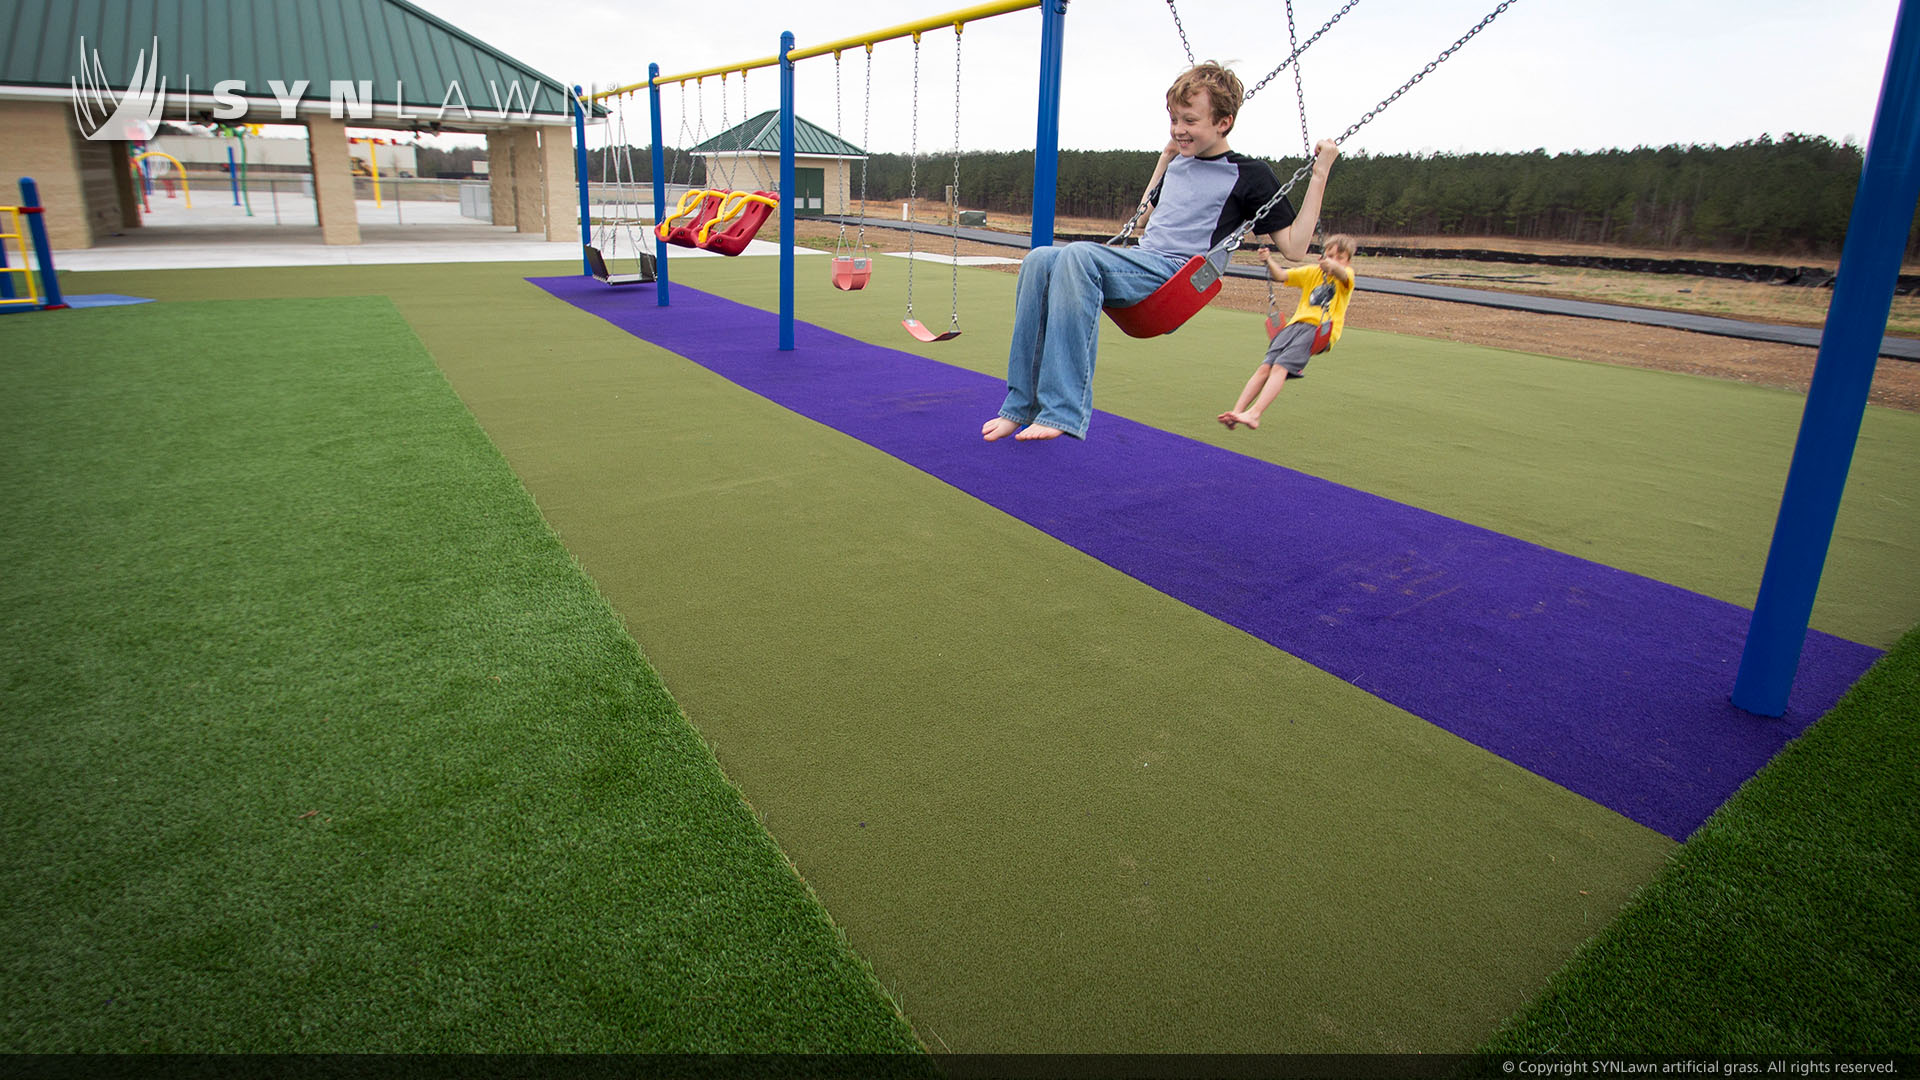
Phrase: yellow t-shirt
[1308,279]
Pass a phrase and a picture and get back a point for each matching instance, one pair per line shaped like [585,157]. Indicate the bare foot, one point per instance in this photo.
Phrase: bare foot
[1039,431]
[1228,419]
[998,428]
[1250,419]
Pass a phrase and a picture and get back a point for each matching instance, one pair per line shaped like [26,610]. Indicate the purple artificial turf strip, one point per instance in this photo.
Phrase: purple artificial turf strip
[1612,685]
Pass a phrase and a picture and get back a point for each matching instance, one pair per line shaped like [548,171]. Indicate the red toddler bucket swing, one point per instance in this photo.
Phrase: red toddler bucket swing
[852,272]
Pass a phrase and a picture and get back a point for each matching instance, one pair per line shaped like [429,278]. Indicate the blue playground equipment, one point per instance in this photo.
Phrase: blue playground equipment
[39,285]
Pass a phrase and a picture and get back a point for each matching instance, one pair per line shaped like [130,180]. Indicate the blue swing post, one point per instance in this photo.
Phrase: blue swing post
[787,180]
[1046,139]
[1883,208]
[580,173]
[659,186]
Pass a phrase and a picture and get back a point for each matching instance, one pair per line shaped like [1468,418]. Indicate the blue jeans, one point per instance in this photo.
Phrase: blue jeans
[1056,324]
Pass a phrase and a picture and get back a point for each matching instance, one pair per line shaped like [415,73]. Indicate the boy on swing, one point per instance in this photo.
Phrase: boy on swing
[1208,190]
[1321,314]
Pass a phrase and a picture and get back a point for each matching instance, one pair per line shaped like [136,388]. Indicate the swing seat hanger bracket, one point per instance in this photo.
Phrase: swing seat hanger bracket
[1205,275]
[1211,270]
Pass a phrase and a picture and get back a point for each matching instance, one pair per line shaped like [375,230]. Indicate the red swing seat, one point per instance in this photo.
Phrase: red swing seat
[1173,303]
[1322,334]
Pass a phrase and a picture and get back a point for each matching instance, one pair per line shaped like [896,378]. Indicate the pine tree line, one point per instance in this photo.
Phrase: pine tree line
[1792,195]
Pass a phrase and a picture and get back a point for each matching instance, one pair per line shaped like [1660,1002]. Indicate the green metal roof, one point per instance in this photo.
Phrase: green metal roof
[412,58]
[762,134]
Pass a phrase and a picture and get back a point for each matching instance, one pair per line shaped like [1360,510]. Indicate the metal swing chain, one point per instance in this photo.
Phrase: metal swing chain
[692,140]
[1299,87]
[1182,29]
[954,209]
[724,125]
[840,238]
[740,138]
[913,167]
[1295,55]
[700,129]
[600,233]
[1232,242]
[866,129]
[618,210]
[1306,139]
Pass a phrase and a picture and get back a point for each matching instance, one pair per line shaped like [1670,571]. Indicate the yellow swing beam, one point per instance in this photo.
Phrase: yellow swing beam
[951,18]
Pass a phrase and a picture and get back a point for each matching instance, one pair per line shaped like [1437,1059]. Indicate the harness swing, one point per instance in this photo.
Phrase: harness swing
[619,216]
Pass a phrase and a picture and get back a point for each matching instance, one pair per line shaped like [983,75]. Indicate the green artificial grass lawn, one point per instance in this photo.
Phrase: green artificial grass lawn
[317,740]
[1121,826]
[1790,922]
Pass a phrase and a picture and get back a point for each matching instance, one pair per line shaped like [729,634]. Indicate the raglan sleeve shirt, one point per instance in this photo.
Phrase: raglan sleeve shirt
[1202,201]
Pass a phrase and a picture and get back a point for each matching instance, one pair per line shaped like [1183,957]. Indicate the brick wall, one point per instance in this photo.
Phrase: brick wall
[38,139]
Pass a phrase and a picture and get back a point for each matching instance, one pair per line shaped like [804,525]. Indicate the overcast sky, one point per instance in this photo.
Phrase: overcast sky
[1554,74]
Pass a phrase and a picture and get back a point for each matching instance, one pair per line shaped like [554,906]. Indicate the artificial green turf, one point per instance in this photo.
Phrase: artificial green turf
[1129,828]
[315,739]
[1057,810]
[1790,922]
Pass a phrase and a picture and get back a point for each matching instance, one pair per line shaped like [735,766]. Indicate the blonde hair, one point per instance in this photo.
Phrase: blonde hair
[1223,88]
[1342,242]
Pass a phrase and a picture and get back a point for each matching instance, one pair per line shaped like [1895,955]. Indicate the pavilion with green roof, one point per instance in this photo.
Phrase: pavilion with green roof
[74,99]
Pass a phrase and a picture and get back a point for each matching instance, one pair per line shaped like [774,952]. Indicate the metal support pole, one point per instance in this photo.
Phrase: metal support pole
[42,251]
[659,189]
[233,176]
[581,174]
[1883,207]
[1046,140]
[786,193]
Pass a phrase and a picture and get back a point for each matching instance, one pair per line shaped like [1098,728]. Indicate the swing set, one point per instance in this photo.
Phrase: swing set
[1838,395]
[723,219]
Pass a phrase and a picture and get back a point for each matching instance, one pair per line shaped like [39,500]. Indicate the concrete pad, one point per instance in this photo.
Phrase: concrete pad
[283,231]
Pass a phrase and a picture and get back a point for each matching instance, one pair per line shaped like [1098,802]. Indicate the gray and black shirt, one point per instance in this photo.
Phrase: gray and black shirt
[1201,201]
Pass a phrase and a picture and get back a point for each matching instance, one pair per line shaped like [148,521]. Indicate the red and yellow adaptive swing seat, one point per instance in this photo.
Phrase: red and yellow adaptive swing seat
[717,220]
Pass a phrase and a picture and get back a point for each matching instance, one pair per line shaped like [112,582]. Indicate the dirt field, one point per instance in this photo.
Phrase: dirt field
[1896,383]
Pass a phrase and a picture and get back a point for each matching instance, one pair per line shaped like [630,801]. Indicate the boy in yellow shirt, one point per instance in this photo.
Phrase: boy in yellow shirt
[1325,290]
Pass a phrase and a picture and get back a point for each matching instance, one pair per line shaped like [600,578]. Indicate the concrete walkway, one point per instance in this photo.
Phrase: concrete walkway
[283,231]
